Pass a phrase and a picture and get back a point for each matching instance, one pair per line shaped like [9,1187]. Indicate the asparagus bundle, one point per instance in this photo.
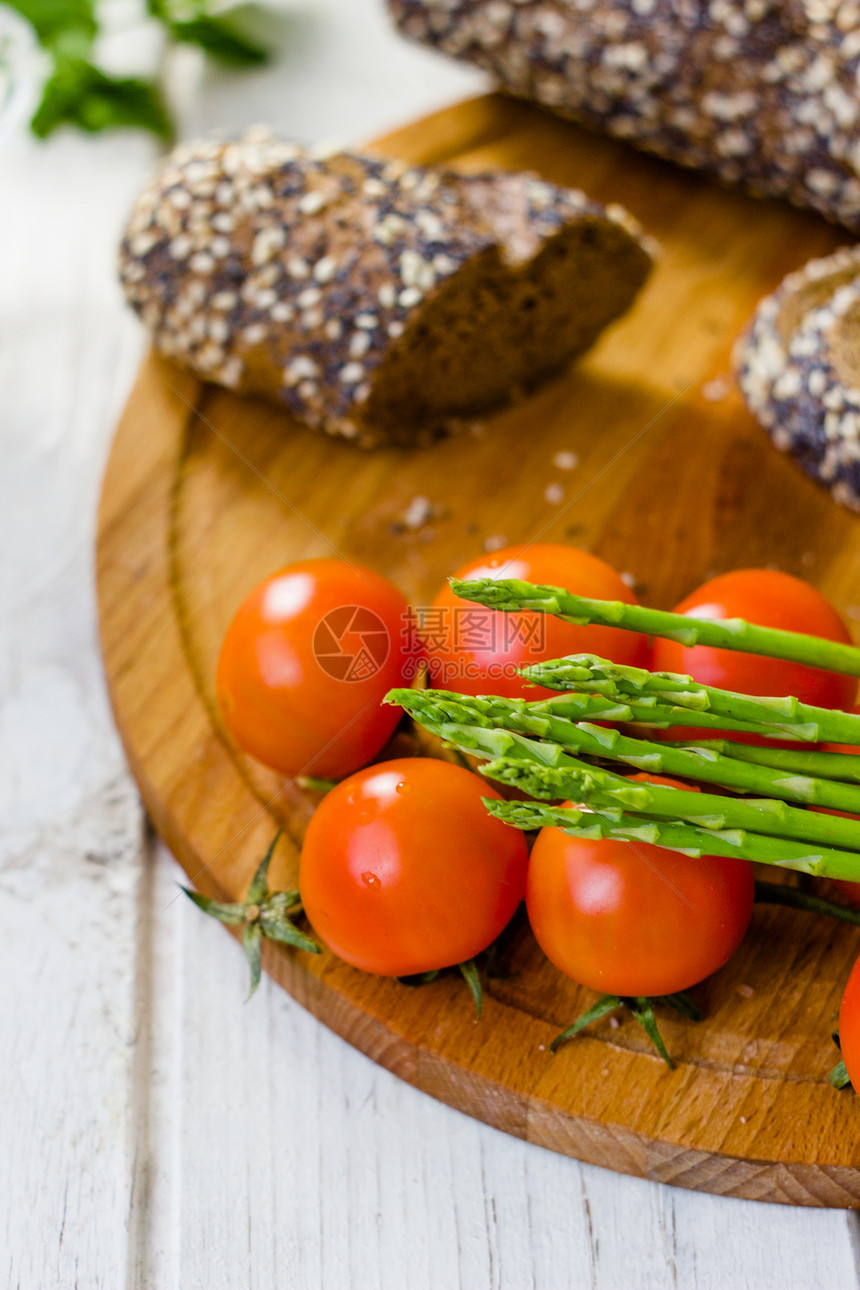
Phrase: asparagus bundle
[678,836]
[467,722]
[667,695]
[510,733]
[512,594]
[607,792]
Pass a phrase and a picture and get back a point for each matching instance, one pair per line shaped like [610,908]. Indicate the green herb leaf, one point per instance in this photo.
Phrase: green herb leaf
[79,94]
[67,27]
[222,38]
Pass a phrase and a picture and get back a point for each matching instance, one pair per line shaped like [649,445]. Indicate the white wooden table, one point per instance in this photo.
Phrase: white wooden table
[154,1131]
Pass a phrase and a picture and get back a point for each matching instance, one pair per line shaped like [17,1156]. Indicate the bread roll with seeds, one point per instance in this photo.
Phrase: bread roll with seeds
[759,92]
[798,365]
[378,301]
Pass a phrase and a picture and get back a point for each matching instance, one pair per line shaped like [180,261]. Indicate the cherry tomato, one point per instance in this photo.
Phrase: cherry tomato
[403,870]
[633,918]
[476,650]
[306,662]
[849,1026]
[772,599]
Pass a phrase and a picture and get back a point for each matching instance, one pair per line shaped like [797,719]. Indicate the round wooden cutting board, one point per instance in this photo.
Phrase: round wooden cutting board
[206,493]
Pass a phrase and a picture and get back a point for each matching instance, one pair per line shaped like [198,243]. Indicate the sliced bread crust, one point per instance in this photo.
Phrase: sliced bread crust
[378,301]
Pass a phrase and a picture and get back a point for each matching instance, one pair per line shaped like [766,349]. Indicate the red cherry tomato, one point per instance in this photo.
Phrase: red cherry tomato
[849,1026]
[306,662]
[633,918]
[476,650]
[403,870]
[771,599]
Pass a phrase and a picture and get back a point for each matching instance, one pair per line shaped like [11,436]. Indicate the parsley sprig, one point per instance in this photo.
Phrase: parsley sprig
[78,92]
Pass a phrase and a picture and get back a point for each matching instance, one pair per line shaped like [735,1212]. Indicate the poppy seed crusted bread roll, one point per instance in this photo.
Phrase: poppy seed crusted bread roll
[798,366]
[759,92]
[375,300]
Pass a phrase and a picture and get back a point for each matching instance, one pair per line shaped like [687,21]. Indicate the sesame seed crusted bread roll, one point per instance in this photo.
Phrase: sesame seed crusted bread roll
[798,365]
[377,301]
[759,92]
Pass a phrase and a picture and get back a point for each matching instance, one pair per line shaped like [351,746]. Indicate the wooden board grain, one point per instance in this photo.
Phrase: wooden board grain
[205,493]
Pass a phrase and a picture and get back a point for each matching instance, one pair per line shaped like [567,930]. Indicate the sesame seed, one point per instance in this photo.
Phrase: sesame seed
[201,262]
[143,243]
[716,390]
[417,513]
[443,264]
[180,248]
[565,461]
[359,344]
[231,373]
[411,296]
[300,367]
[554,494]
[309,297]
[218,329]
[312,203]
[325,269]
[254,334]
[266,244]
[298,268]
[352,373]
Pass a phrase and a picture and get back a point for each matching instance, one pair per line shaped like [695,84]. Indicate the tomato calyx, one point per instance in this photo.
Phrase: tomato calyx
[316,784]
[779,893]
[469,972]
[642,1008]
[490,961]
[263,913]
[839,1076]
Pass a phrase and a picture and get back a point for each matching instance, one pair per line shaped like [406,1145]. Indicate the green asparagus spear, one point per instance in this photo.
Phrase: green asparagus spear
[466,722]
[512,594]
[802,761]
[651,711]
[678,836]
[777,717]
[606,792]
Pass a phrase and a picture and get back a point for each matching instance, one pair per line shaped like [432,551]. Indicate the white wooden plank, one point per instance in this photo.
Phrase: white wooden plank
[69,820]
